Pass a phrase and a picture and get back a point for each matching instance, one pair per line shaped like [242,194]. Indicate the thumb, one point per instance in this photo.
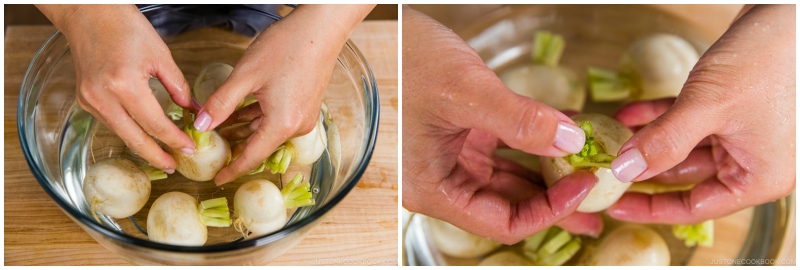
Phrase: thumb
[222,103]
[665,142]
[520,122]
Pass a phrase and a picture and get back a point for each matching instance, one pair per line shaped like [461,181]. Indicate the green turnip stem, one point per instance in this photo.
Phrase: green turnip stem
[216,222]
[215,212]
[213,203]
[606,85]
[249,99]
[296,194]
[533,242]
[702,234]
[592,155]
[175,112]
[554,244]
[563,255]
[201,139]
[279,160]
[547,48]
[153,173]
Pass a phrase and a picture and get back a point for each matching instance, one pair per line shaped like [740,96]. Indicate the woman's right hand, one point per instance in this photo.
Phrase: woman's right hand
[116,51]
[731,130]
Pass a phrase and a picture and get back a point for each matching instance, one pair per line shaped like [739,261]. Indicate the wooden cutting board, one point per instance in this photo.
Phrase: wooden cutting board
[361,230]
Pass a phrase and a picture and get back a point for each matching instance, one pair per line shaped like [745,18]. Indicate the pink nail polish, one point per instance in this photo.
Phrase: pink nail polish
[569,138]
[187,150]
[169,171]
[202,122]
[629,165]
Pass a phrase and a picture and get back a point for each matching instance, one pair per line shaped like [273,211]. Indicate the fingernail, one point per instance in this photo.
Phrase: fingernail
[202,122]
[196,104]
[569,138]
[187,150]
[629,165]
[169,171]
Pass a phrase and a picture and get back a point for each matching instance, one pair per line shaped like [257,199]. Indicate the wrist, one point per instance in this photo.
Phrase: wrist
[333,23]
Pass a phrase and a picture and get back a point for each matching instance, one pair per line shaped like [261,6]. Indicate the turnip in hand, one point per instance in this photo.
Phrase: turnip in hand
[211,78]
[212,152]
[604,137]
[176,218]
[117,187]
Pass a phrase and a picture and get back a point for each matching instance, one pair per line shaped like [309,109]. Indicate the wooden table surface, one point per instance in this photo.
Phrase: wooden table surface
[362,229]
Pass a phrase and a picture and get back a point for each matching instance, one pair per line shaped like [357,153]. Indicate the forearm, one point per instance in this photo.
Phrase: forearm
[330,24]
[82,22]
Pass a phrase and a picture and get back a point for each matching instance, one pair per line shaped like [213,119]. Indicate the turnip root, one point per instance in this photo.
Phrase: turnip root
[653,67]
[604,135]
[553,246]
[632,245]
[117,187]
[505,258]
[299,151]
[544,80]
[212,152]
[260,208]
[456,242]
[702,234]
[176,218]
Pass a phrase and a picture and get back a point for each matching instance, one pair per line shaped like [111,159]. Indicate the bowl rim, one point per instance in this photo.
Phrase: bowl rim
[371,132]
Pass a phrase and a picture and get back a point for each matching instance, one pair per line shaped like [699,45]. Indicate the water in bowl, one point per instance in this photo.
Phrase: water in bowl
[86,141]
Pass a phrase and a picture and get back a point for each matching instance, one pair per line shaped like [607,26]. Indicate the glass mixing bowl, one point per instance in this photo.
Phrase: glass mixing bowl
[597,35]
[59,140]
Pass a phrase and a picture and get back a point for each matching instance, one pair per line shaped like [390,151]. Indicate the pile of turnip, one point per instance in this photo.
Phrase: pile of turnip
[543,80]
[118,188]
[655,66]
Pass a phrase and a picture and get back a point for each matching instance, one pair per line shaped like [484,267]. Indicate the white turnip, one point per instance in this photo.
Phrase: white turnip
[117,187]
[176,218]
[212,152]
[604,136]
[631,245]
[543,80]
[654,67]
[456,242]
[260,207]
[299,151]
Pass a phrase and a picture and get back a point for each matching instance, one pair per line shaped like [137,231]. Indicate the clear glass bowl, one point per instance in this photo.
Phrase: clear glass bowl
[60,140]
[597,35]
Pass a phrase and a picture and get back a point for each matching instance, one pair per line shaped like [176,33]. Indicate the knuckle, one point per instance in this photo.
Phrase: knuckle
[530,121]
[669,141]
